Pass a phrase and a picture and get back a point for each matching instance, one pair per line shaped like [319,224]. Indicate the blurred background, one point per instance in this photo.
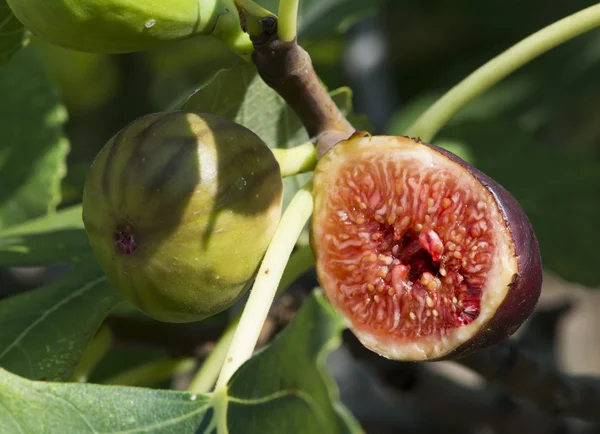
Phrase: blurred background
[537,133]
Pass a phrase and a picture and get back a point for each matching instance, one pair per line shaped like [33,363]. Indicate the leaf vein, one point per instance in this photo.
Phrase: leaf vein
[302,395]
[48,312]
[6,20]
[74,407]
[163,423]
[15,421]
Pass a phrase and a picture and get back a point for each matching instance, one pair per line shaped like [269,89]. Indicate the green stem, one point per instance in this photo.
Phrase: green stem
[206,376]
[287,20]
[252,14]
[300,262]
[94,352]
[153,372]
[269,274]
[430,122]
[296,160]
[229,31]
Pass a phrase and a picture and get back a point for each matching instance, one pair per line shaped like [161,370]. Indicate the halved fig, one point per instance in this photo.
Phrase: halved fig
[426,256]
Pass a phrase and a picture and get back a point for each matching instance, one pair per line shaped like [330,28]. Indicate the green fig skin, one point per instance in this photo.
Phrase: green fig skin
[116,26]
[179,209]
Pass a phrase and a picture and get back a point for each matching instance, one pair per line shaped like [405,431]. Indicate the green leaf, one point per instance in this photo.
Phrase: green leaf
[283,388]
[86,408]
[12,33]
[559,191]
[44,332]
[241,95]
[33,148]
[55,239]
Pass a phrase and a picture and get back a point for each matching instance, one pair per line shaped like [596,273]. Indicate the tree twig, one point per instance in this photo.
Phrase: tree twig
[471,408]
[521,374]
[287,68]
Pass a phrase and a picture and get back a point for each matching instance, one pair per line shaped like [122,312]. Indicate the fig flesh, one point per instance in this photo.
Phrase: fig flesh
[179,209]
[426,257]
[115,26]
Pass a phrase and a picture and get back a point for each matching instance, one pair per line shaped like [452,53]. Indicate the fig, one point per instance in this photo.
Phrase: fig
[179,209]
[425,256]
[116,26]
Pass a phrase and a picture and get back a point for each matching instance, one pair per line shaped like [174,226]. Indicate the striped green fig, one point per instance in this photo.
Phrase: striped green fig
[179,209]
[120,26]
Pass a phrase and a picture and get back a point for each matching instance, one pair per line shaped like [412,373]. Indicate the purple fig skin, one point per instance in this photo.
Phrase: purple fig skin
[517,261]
[526,286]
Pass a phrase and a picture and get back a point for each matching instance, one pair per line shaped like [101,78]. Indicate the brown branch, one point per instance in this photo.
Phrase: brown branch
[287,68]
[520,374]
[457,405]
[484,407]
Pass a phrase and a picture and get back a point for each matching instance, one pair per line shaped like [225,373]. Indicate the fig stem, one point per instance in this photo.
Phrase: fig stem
[148,374]
[205,378]
[287,68]
[267,281]
[251,16]
[300,262]
[93,353]
[434,118]
[228,30]
[296,160]
[288,20]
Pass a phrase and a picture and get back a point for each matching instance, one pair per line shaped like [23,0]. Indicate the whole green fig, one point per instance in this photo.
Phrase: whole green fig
[179,209]
[119,26]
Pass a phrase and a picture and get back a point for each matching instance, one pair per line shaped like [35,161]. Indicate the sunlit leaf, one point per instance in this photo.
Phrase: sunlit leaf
[282,389]
[241,95]
[33,147]
[44,332]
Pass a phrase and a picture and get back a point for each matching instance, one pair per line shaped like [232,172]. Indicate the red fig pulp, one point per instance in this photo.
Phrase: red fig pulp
[424,255]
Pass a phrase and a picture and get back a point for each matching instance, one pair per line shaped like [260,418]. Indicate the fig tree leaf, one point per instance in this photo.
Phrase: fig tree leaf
[12,33]
[285,387]
[239,94]
[85,408]
[33,147]
[559,190]
[44,332]
[58,238]
[282,389]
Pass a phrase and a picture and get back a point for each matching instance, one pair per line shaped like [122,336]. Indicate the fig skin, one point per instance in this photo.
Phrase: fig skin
[114,26]
[517,281]
[526,286]
[179,209]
